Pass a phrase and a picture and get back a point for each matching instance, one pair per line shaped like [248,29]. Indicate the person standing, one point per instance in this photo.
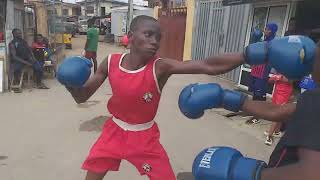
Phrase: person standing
[91,46]
[281,96]
[260,73]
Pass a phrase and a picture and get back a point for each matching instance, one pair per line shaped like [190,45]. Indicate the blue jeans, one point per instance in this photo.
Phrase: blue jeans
[37,68]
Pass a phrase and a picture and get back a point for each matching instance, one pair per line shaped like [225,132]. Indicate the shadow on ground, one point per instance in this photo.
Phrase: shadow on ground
[95,124]
[185,176]
[3,157]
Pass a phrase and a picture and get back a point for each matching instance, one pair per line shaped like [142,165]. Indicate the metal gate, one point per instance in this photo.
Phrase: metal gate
[219,29]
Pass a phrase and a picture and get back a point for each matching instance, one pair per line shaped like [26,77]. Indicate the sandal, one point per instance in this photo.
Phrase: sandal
[252,121]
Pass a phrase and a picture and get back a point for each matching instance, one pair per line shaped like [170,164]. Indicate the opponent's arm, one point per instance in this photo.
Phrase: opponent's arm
[213,65]
[82,94]
[268,111]
[194,99]
[306,168]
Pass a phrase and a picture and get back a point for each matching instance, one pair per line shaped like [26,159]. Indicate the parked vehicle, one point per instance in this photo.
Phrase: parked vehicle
[83,26]
[71,28]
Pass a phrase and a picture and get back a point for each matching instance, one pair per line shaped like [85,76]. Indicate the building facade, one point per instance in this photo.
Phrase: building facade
[220,26]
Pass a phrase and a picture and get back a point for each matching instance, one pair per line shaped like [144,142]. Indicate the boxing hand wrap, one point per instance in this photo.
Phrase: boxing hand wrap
[194,99]
[225,163]
[74,71]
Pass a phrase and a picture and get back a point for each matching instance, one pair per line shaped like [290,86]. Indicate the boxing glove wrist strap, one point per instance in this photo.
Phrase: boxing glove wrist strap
[233,100]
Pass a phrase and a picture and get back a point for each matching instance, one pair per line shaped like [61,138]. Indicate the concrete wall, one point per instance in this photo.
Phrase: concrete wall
[42,19]
[189,30]
[10,25]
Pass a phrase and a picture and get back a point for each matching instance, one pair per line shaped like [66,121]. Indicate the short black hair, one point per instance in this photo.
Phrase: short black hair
[137,21]
[39,35]
[15,30]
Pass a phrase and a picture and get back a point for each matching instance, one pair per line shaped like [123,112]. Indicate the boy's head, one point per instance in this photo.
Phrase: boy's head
[144,36]
[316,66]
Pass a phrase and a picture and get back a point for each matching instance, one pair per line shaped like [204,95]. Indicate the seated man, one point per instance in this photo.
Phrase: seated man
[38,48]
[21,56]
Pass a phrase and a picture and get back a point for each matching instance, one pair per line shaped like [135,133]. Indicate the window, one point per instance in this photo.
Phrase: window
[264,15]
[103,11]
[90,10]
[180,3]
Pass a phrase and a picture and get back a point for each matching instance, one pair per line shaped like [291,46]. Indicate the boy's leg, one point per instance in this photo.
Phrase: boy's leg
[156,165]
[94,176]
[105,155]
[146,153]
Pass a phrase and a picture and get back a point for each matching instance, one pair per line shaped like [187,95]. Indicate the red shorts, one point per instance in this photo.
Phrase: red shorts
[141,148]
[90,55]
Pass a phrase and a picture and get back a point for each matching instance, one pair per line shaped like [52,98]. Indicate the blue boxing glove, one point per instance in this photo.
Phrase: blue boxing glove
[308,83]
[225,163]
[74,71]
[194,99]
[256,35]
[292,56]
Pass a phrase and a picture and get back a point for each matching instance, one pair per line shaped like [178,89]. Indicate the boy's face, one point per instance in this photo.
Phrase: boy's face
[316,67]
[146,38]
[267,32]
[39,39]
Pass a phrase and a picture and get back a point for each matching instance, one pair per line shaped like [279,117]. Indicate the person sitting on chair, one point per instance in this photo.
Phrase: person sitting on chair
[22,56]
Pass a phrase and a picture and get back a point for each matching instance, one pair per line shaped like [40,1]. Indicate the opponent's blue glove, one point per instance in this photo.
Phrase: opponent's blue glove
[256,35]
[292,56]
[194,99]
[225,163]
[308,83]
[74,71]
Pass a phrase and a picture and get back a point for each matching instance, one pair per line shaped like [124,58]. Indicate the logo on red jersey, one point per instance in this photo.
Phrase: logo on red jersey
[146,168]
[147,97]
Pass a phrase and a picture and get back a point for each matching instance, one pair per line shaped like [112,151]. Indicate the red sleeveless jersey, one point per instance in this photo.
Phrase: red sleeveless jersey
[136,94]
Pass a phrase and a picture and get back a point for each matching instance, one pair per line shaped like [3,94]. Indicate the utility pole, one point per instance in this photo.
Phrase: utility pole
[85,8]
[130,14]
[54,23]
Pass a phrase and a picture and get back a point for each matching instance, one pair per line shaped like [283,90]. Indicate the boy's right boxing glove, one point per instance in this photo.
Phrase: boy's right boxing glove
[74,71]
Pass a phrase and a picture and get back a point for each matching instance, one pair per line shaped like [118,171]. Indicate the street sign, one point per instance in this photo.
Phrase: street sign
[236,2]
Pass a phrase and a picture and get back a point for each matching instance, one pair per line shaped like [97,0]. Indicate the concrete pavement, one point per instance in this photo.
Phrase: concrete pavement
[44,134]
